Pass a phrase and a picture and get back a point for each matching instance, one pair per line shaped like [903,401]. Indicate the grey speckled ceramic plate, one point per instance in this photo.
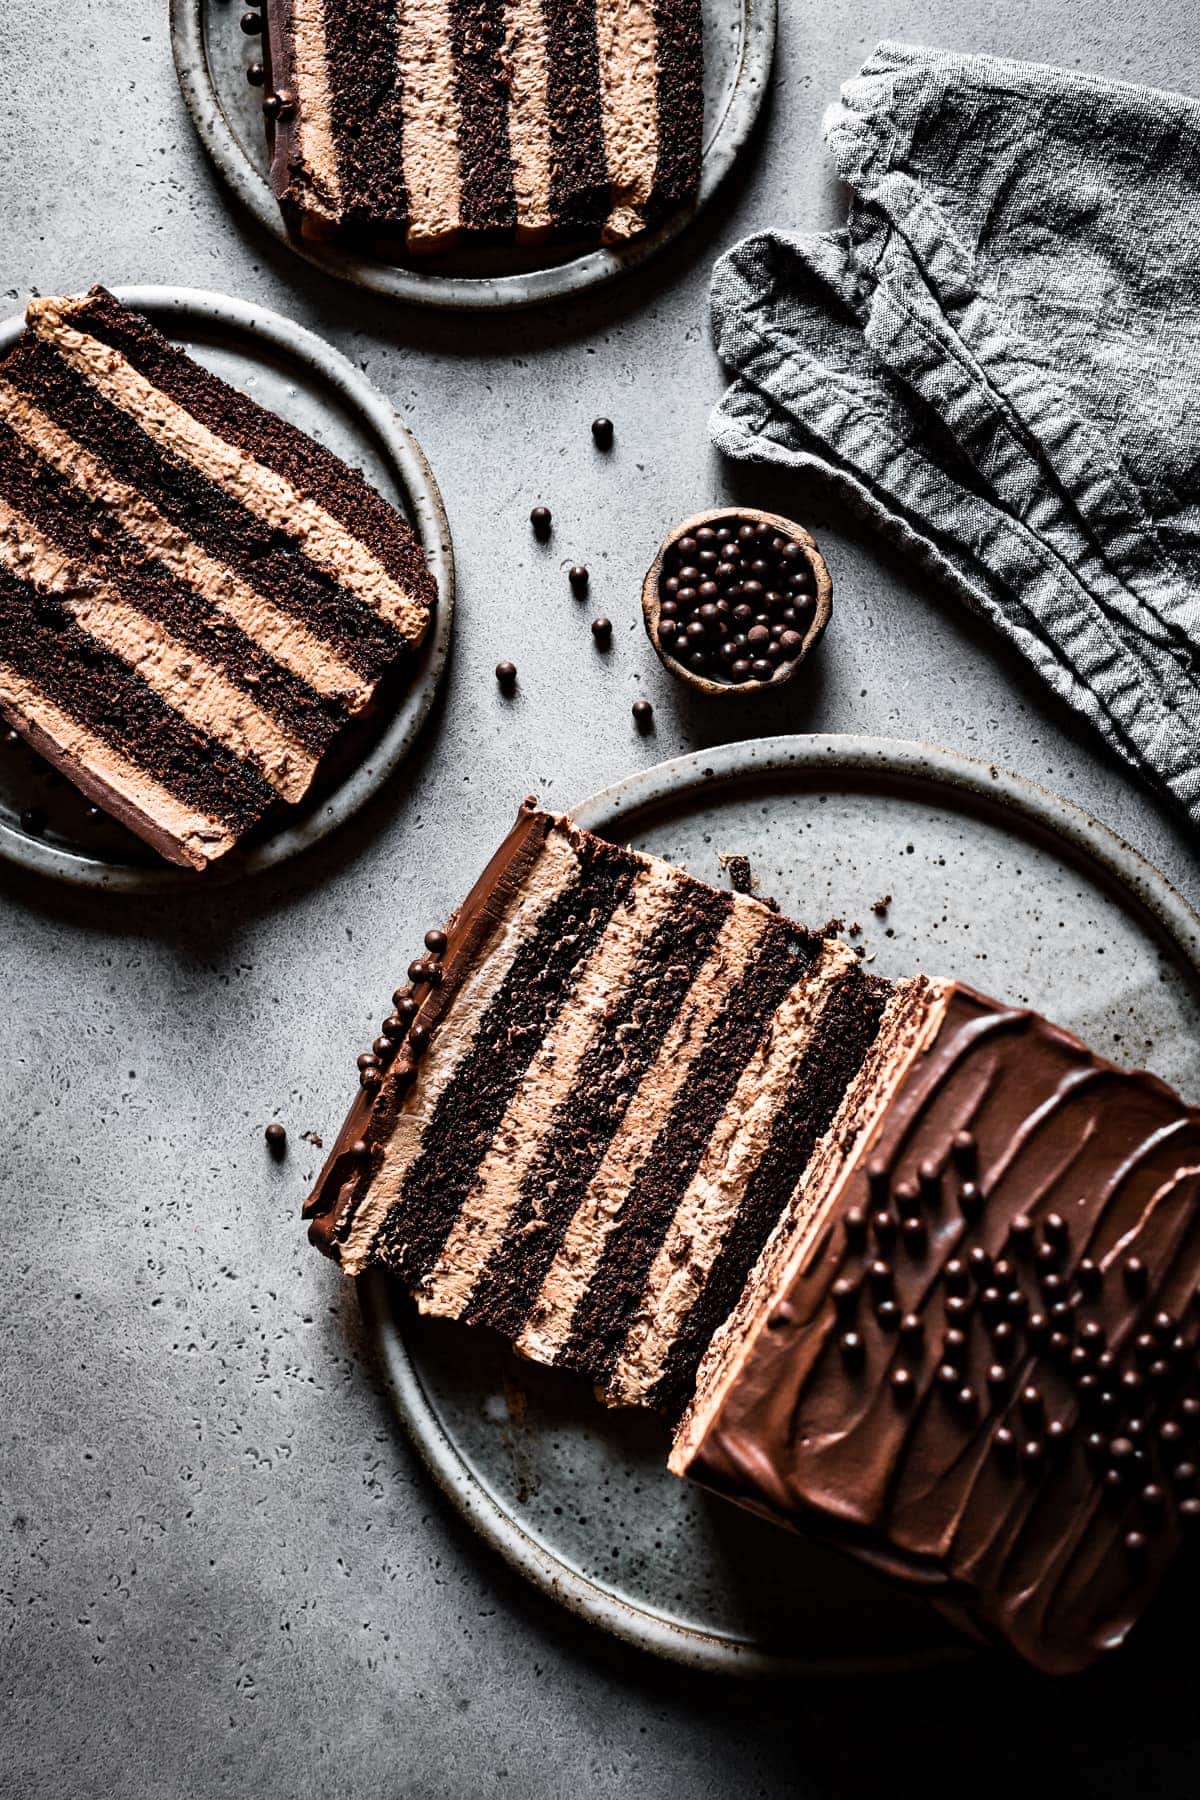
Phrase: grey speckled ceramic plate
[294,374]
[211,54]
[992,880]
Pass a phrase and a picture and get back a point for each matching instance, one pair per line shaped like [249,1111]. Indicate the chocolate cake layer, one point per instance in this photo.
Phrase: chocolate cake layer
[252,588]
[969,1354]
[589,1140]
[413,126]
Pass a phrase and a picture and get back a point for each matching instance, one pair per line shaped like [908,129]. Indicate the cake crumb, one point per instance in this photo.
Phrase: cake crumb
[737,867]
[880,906]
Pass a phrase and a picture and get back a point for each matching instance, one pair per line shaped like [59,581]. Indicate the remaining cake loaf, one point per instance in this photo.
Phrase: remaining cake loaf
[412,126]
[918,1270]
[969,1352]
[194,596]
[625,1072]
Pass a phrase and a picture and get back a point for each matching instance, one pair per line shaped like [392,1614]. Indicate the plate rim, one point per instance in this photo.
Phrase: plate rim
[461,293]
[409,466]
[887,760]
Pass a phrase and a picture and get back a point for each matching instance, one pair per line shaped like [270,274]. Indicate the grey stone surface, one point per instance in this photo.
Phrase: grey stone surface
[222,1571]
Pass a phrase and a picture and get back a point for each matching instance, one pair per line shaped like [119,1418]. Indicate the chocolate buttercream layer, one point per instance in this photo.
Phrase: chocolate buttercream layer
[424,122]
[970,1356]
[246,578]
[572,1156]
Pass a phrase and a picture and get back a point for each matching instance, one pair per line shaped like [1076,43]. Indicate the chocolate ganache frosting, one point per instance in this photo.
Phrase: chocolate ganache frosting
[974,1361]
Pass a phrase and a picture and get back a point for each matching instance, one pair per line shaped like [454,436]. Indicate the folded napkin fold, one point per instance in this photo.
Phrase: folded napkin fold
[998,362]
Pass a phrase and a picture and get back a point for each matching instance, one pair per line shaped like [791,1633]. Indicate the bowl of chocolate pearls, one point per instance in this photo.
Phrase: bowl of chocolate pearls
[735,600]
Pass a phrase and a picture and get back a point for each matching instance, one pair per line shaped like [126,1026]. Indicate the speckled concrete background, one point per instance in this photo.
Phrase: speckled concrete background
[222,1571]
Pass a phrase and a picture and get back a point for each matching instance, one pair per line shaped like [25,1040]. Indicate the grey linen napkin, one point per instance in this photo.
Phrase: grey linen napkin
[998,362]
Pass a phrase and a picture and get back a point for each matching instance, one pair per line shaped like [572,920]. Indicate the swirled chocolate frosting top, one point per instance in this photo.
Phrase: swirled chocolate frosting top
[974,1361]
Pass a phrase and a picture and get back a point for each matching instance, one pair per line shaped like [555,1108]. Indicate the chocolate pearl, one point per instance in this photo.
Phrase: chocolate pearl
[369,1079]
[1120,1450]
[970,1199]
[948,1376]
[1144,1348]
[979,1263]
[740,670]
[602,632]
[1184,1475]
[687,548]
[1135,1543]
[761,669]
[752,590]
[1004,1444]
[602,433]
[780,1316]
[578,577]
[1135,1275]
[881,1278]
[791,643]
[1190,1408]
[1004,1339]
[851,1346]
[436,942]
[878,1182]
[724,573]
[883,1224]
[964,1400]
[1152,1497]
[914,1234]
[394,1027]
[954,1345]
[276,1137]
[845,1295]
[1047,1257]
[1003,1271]
[965,1152]
[668,631]
[1088,1389]
[1163,1327]
[1096,1445]
[758,635]
[958,1306]
[271,107]
[991,1303]
[888,1314]
[929,1178]
[855,1225]
[383,1048]
[1052,1285]
[1170,1432]
[1059,1345]
[1020,1233]
[1090,1276]
[908,1199]
[997,1378]
[367,1060]
[358,1150]
[251,23]
[643,714]
[912,1331]
[742,614]
[1058,1434]
[405,1005]
[1032,1405]
[1037,1326]
[956,1276]
[706,536]
[1055,1228]
[1033,1453]
[506,674]
[255,74]
[746,533]
[1189,1513]
[1093,1336]
[1062,1314]
[541,521]
[707,612]
[418,971]
[1131,1383]
[418,1037]
[903,1385]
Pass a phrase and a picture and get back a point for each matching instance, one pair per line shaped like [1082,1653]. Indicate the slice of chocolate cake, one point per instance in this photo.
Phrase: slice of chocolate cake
[969,1353]
[614,1077]
[410,127]
[194,596]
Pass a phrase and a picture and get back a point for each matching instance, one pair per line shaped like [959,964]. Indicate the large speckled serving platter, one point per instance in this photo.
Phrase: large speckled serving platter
[211,55]
[297,375]
[993,881]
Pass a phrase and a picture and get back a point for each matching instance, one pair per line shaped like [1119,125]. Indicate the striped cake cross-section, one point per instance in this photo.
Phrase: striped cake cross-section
[412,124]
[194,596]
[601,1110]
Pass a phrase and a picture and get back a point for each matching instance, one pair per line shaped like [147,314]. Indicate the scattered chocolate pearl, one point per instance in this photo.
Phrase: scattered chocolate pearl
[369,1078]
[255,74]
[970,1199]
[1020,1233]
[903,1385]
[418,971]
[405,1005]
[1135,1275]
[506,674]
[578,578]
[251,23]
[270,107]
[276,1138]
[383,1048]
[358,1150]
[643,714]
[602,433]
[287,102]
[602,632]
[855,1226]
[965,1152]
[368,1060]
[541,521]
[436,942]
[418,1037]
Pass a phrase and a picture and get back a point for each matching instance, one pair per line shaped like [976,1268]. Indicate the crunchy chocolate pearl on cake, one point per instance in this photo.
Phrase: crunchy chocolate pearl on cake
[734,601]
[194,596]
[411,127]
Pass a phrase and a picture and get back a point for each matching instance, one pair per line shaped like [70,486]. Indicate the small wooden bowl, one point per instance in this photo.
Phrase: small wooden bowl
[652,599]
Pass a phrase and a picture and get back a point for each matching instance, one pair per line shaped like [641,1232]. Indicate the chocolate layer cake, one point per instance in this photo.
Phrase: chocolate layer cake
[413,126]
[969,1352]
[194,596]
[613,1081]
